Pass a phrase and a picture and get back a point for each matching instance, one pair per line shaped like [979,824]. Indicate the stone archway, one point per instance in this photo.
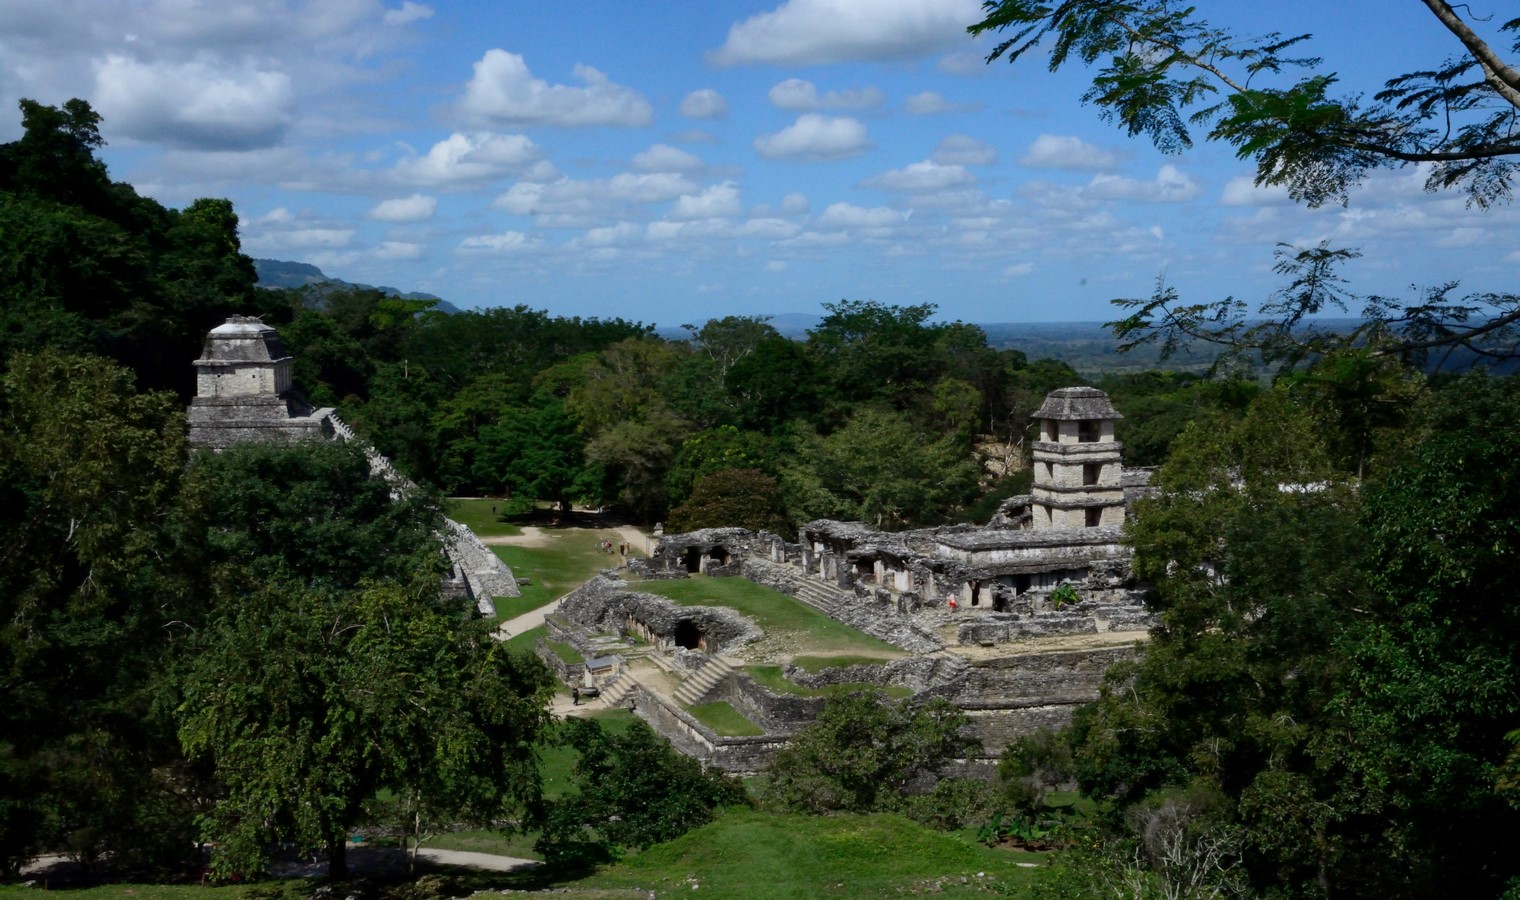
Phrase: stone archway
[693,560]
[688,635]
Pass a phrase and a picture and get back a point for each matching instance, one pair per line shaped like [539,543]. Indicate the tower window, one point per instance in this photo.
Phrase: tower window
[1094,516]
[1091,472]
[1089,431]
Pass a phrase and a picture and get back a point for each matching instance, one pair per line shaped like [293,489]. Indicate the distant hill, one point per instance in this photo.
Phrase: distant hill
[280,273]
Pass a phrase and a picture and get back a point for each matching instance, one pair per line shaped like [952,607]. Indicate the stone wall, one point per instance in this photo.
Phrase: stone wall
[735,755]
[605,604]
[779,714]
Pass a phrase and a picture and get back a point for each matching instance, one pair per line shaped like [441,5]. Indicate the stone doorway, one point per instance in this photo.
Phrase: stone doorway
[688,635]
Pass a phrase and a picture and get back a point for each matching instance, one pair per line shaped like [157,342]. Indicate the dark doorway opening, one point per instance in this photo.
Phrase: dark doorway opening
[718,555]
[1020,583]
[688,635]
[693,560]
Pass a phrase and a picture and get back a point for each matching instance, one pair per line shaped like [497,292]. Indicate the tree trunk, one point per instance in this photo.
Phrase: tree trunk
[337,858]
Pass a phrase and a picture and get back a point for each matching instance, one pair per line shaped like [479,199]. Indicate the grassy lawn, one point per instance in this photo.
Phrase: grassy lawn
[775,612]
[476,515]
[771,677]
[815,664]
[512,607]
[747,854]
[566,652]
[566,563]
[722,718]
[526,641]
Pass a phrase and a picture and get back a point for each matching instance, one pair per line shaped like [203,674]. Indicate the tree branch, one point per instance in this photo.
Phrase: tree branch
[1504,77]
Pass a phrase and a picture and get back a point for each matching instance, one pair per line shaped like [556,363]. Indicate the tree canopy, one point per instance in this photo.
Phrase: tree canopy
[1162,67]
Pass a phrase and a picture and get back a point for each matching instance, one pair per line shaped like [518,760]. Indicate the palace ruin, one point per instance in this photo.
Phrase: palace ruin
[1014,621]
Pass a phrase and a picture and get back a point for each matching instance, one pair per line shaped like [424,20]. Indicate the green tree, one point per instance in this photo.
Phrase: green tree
[732,498]
[1434,683]
[1253,546]
[1163,67]
[713,450]
[881,468]
[307,701]
[633,790]
[312,513]
[93,581]
[862,752]
[871,351]
[330,667]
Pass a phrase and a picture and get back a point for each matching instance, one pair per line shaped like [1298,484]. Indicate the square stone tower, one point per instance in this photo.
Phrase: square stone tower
[244,392]
[1077,462]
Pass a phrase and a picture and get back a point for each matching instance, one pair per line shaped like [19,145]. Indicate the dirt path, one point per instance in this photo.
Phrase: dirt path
[532,536]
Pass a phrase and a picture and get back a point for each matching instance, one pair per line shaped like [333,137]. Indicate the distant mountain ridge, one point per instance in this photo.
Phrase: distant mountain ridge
[279,273]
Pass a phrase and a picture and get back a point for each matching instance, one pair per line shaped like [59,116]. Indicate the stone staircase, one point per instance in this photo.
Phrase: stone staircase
[617,688]
[824,597]
[701,683]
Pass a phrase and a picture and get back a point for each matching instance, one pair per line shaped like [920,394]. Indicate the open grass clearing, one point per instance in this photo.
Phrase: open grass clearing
[508,608]
[525,642]
[775,612]
[568,561]
[722,718]
[484,516]
[748,854]
[772,678]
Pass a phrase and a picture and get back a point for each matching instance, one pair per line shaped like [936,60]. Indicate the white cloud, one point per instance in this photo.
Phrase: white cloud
[1051,151]
[801,96]
[768,228]
[652,187]
[929,103]
[665,158]
[813,137]
[776,265]
[1242,191]
[463,159]
[1171,185]
[704,104]
[201,104]
[279,232]
[620,235]
[848,215]
[1018,269]
[504,92]
[962,150]
[408,13]
[719,201]
[921,176]
[580,204]
[794,204]
[400,250]
[809,32]
[405,209]
[506,242]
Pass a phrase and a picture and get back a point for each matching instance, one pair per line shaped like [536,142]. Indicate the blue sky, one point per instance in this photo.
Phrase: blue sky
[670,162]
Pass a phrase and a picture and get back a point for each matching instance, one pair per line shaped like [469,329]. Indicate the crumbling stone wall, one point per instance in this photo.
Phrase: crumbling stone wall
[605,604]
